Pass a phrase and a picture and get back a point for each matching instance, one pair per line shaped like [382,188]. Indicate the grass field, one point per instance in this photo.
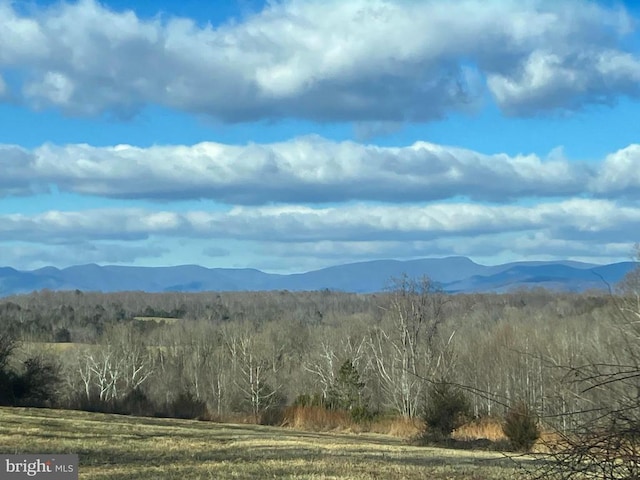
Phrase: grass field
[167,320]
[123,447]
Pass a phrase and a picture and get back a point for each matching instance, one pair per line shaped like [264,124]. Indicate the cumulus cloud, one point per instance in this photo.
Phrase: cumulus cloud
[551,81]
[620,173]
[309,169]
[363,60]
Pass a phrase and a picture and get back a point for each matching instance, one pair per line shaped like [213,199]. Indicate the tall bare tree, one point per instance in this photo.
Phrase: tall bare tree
[403,351]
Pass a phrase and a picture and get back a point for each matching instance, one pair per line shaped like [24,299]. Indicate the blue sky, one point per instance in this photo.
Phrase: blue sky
[292,135]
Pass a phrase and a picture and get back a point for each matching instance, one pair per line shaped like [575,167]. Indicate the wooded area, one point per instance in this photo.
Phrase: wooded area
[572,360]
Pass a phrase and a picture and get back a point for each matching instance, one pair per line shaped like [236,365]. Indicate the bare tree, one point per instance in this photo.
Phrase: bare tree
[104,371]
[120,365]
[253,369]
[323,367]
[254,381]
[404,353]
[332,351]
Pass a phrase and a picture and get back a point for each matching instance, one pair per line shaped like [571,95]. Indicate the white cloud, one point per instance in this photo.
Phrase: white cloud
[620,173]
[572,219]
[54,89]
[300,237]
[59,227]
[309,169]
[551,81]
[362,60]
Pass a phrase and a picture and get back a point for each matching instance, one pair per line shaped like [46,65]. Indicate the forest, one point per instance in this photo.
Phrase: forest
[570,358]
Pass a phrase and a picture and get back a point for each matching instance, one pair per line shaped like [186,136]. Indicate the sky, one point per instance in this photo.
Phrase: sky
[291,135]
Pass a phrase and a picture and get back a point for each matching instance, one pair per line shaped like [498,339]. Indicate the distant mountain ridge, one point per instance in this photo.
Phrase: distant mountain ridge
[455,274]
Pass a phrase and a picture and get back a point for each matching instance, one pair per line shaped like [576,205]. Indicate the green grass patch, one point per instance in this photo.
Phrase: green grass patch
[124,447]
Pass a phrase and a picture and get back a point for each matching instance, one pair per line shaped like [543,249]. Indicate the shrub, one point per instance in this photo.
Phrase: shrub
[447,409]
[187,406]
[361,414]
[62,335]
[7,377]
[7,384]
[274,416]
[136,402]
[521,427]
[38,385]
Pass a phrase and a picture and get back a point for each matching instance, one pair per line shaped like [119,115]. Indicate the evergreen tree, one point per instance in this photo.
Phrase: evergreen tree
[346,393]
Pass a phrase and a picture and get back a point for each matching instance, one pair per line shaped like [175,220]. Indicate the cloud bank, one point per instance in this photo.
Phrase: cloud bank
[311,170]
[571,219]
[294,238]
[329,60]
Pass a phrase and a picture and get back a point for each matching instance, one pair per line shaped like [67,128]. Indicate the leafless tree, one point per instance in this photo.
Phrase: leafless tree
[404,352]
[323,367]
[331,352]
[113,369]
[253,369]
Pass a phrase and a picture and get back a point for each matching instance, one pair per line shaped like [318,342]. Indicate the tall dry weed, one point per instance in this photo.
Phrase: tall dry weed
[317,418]
[489,428]
[397,426]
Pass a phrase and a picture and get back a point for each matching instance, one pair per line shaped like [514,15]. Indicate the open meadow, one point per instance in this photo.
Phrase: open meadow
[115,446]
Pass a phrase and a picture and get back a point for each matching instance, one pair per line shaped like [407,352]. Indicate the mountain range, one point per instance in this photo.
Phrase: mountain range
[455,274]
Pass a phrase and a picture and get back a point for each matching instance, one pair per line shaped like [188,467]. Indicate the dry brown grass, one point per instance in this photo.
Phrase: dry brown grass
[398,427]
[549,441]
[320,419]
[317,419]
[167,320]
[489,428]
[123,447]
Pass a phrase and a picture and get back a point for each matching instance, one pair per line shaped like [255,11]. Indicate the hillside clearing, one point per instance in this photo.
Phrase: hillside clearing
[114,446]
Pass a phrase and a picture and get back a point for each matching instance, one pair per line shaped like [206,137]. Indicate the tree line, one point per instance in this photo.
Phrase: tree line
[249,351]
